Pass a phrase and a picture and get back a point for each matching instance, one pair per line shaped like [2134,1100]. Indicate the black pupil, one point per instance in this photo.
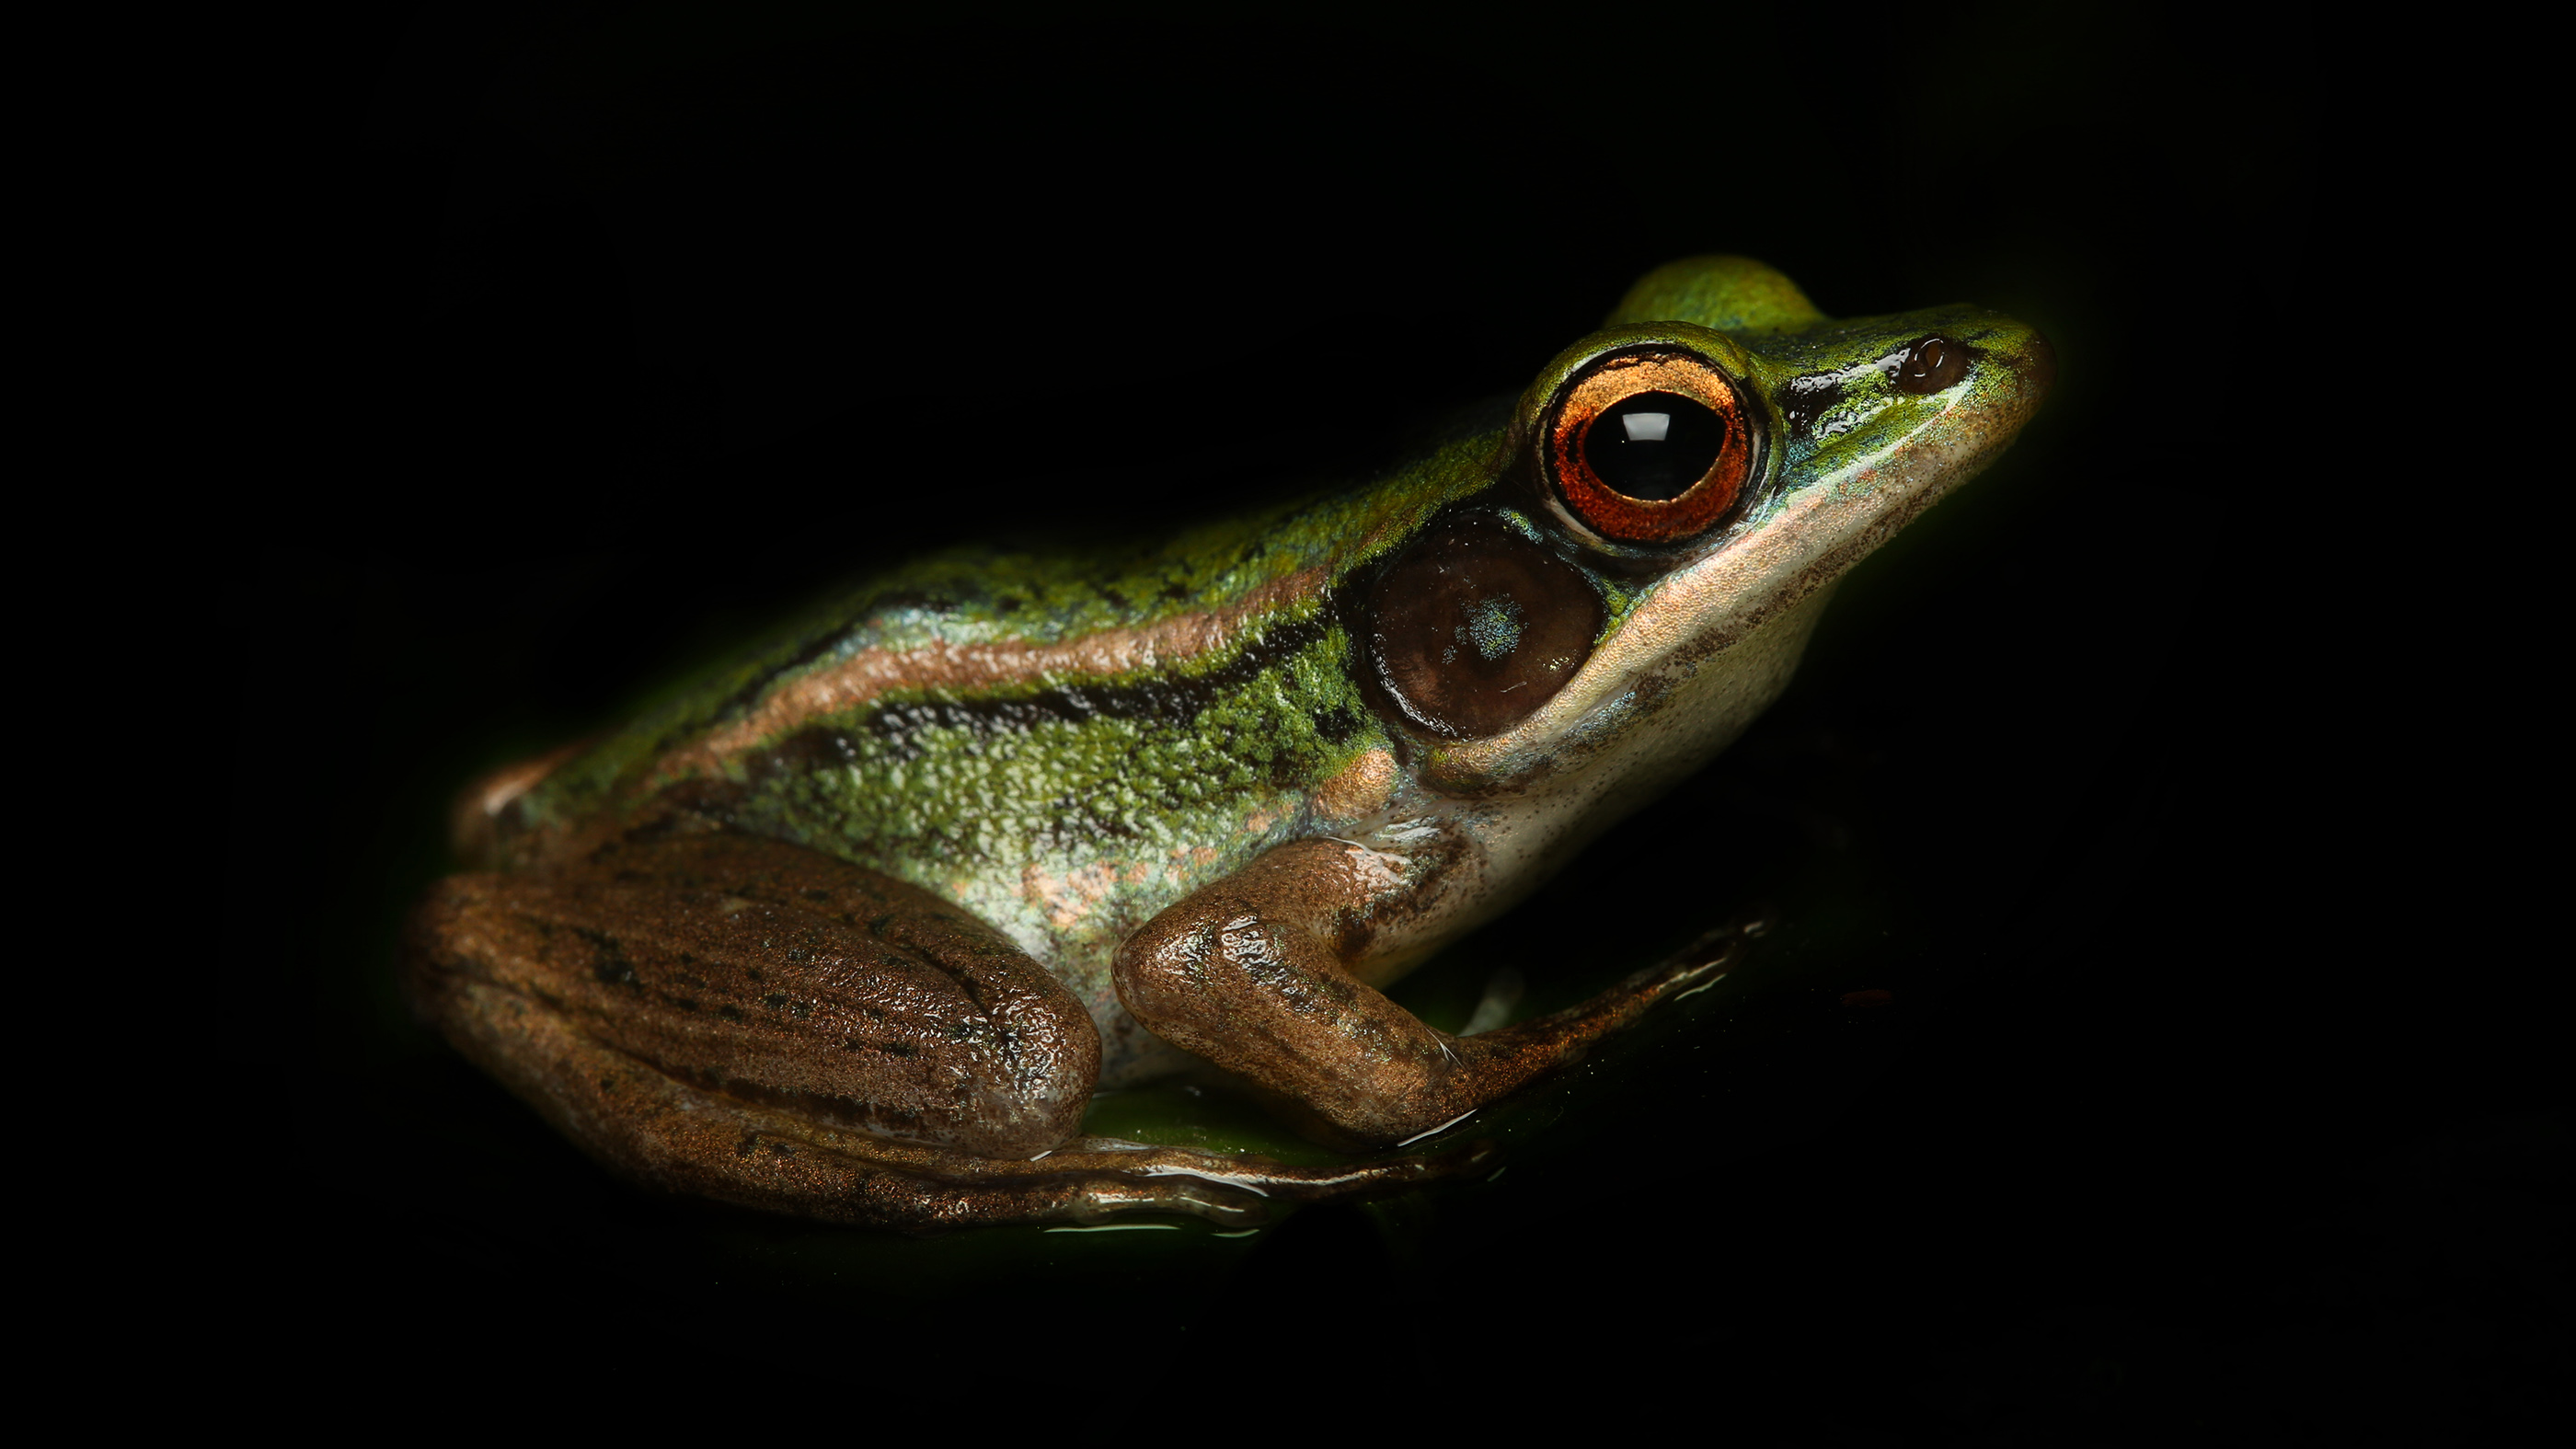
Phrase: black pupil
[1654,445]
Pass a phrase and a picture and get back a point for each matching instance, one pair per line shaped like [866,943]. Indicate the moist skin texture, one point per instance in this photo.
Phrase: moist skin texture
[900,889]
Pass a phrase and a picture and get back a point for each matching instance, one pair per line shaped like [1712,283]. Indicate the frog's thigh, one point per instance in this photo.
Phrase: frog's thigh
[672,1135]
[1248,972]
[761,974]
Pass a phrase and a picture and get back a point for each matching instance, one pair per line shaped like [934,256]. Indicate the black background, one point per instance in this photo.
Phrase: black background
[634,330]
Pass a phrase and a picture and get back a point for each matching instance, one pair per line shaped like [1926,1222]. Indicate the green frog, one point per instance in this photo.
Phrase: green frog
[857,927]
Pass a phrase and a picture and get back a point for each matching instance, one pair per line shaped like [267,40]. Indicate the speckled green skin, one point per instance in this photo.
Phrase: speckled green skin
[1069,806]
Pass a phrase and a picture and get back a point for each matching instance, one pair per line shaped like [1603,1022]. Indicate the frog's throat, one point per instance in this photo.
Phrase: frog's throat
[1703,610]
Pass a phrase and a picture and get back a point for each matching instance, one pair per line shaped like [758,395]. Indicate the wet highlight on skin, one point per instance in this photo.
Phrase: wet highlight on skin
[854,928]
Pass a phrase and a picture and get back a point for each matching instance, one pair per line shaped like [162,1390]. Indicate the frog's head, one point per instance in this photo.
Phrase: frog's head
[1684,487]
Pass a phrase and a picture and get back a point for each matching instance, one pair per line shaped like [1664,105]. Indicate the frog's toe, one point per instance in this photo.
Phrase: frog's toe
[1268,1178]
[1701,964]
[1100,1199]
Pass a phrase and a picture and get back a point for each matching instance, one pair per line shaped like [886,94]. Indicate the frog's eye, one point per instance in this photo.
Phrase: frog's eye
[1650,447]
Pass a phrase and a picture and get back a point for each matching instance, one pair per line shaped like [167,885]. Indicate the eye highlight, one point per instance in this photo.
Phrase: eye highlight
[1650,447]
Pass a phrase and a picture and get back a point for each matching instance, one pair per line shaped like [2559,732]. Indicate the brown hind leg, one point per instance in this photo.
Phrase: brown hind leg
[759,1023]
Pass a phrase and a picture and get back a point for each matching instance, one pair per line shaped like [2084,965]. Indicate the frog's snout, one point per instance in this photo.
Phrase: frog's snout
[2036,361]
[2017,367]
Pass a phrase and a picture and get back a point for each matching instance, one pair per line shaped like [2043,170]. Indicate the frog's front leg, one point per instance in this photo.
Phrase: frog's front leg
[1252,972]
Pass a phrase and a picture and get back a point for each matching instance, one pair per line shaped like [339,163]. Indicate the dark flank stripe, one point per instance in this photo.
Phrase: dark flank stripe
[751,691]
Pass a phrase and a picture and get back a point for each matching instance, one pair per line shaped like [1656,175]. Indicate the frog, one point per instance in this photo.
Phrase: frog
[857,926]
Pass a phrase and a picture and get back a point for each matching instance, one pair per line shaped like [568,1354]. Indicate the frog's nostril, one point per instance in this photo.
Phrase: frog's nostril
[1931,365]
